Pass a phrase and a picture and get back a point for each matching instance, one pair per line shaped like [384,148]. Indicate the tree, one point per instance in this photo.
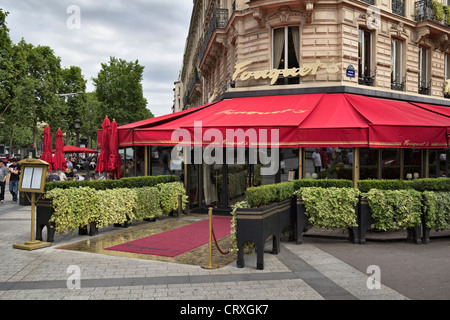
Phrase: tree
[36,101]
[71,93]
[7,73]
[119,91]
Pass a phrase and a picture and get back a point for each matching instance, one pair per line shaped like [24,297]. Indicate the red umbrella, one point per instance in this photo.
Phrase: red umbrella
[103,158]
[115,162]
[47,147]
[59,162]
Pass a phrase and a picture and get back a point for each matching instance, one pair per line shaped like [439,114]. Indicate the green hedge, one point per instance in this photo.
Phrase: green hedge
[76,207]
[323,183]
[436,208]
[395,209]
[134,182]
[426,184]
[266,194]
[332,208]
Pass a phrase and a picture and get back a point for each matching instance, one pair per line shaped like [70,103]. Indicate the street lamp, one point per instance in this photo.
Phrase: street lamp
[77,124]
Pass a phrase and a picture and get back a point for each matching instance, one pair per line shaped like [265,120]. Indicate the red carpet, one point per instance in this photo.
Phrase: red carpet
[177,241]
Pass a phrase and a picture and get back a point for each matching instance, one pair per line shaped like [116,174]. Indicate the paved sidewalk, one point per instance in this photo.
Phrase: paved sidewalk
[299,272]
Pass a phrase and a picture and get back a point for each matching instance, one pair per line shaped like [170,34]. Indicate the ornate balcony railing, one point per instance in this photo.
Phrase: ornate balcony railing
[424,87]
[369,1]
[368,79]
[218,20]
[423,10]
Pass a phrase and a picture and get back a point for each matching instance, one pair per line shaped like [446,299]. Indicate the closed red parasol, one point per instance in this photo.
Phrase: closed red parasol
[115,162]
[47,147]
[103,158]
[59,162]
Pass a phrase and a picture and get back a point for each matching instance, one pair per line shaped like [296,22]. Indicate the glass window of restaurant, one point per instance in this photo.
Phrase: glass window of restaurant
[390,164]
[161,162]
[438,164]
[328,163]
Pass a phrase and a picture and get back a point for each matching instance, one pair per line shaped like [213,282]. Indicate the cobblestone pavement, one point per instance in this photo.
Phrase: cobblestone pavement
[298,272]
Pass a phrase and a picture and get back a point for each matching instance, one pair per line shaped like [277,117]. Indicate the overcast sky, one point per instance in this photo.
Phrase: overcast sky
[151,31]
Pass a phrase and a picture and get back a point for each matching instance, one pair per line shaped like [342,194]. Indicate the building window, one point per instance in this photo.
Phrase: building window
[365,73]
[424,82]
[398,7]
[286,51]
[397,82]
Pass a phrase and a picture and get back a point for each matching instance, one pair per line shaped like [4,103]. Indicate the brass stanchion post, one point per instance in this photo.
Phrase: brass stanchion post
[210,266]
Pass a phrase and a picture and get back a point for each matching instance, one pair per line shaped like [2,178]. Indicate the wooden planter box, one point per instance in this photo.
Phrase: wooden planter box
[302,222]
[257,224]
[44,212]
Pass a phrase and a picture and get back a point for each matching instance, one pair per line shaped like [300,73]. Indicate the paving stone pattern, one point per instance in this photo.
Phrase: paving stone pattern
[299,272]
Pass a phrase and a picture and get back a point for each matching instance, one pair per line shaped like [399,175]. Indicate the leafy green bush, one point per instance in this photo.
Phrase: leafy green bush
[425,184]
[73,208]
[323,183]
[148,203]
[436,207]
[133,182]
[115,206]
[366,185]
[438,10]
[76,207]
[429,184]
[233,231]
[332,208]
[169,194]
[267,194]
[395,209]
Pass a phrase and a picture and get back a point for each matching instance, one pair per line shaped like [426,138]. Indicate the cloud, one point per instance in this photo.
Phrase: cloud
[151,31]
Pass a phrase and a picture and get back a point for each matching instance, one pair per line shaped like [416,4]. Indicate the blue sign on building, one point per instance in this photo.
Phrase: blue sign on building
[351,71]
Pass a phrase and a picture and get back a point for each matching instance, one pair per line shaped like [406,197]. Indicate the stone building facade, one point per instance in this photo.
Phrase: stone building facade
[390,48]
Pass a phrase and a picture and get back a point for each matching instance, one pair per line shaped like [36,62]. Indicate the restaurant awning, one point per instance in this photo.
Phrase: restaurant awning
[398,124]
[336,120]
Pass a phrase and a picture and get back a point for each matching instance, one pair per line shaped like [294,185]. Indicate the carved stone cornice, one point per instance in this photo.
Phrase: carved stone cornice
[285,15]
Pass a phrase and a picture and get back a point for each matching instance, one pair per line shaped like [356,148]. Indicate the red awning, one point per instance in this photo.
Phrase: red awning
[257,120]
[334,123]
[338,120]
[398,124]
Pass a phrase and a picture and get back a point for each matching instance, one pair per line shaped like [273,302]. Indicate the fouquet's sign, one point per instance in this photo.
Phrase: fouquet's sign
[273,74]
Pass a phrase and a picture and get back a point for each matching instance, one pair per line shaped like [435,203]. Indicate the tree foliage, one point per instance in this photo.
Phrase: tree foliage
[119,91]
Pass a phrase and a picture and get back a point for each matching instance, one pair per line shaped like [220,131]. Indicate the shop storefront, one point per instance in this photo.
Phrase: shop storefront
[229,145]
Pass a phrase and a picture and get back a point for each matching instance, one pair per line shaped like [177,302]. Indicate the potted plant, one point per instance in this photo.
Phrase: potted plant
[266,212]
[397,210]
[331,208]
[436,213]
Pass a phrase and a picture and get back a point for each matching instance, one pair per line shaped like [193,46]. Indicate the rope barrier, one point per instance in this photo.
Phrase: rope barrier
[217,245]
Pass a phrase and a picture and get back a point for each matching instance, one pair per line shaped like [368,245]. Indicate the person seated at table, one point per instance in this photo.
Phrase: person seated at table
[76,176]
[52,176]
[69,173]
[61,174]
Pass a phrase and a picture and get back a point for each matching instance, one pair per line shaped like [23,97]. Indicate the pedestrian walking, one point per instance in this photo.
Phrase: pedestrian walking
[13,179]
[3,177]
